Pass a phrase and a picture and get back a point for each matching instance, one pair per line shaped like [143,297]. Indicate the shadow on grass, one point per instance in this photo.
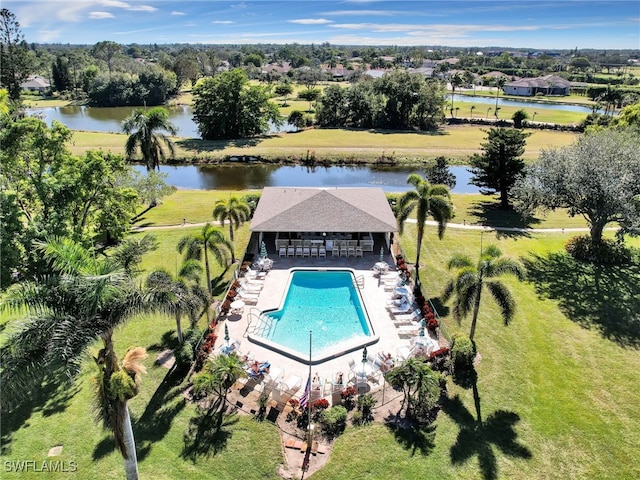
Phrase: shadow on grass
[196,145]
[594,296]
[417,440]
[156,420]
[430,133]
[50,398]
[478,438]
[490,214]
[162,408]
[206,435]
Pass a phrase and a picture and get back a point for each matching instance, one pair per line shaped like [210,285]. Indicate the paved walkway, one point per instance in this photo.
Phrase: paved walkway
[463,226]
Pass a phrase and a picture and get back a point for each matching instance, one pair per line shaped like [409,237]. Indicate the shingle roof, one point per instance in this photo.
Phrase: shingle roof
[296,209]
[541,82]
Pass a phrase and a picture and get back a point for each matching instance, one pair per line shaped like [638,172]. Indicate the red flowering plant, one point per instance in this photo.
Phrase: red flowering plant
[225,307]
[348,397]
[205,350]
[295,412]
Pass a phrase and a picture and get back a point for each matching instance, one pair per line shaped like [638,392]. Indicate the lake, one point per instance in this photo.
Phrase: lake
[109,119]
[257,176]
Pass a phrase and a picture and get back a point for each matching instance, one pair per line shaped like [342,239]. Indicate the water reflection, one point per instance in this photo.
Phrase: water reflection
[251,177]
[109,119]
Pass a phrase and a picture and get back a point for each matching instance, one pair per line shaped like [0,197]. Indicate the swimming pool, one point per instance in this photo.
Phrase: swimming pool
[326,302]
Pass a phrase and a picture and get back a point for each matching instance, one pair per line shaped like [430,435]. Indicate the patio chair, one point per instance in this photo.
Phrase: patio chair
[413,316]
[306,251]
[282,251]
[291,251]
[405,331]
[322,252]
[314,251]
[254,274]
[248,297]
[344,252]
[351,251]
[358,251]
[404,308]
[298,250]
[335,252]
[404,353]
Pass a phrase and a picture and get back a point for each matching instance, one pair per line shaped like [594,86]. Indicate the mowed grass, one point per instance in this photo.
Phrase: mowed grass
[545,115]
[557,387]
[196,206]
[455,142]
[160,416]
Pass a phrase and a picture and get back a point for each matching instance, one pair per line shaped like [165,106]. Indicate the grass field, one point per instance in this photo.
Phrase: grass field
[337,145]
[557,390]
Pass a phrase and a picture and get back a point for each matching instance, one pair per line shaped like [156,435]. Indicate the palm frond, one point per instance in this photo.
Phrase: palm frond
[459,260]
[503,298]
[131,361]
[505,265]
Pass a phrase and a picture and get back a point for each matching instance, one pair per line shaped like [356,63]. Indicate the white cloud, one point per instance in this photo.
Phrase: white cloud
[177,13]
[311,21]
[128,6]
[450,29]
[223,22]
[241,5]
[101,15]
[369,13]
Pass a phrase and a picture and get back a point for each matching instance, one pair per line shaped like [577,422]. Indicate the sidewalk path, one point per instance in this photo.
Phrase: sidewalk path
[411,220]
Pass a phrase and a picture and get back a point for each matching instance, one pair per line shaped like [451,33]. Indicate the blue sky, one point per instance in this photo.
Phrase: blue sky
[561,24]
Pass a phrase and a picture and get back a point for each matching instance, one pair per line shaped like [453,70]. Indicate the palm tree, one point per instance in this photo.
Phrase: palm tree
[456,82]
[142,128]
[427,200]
[208,240]
[176,296]
[468,284]
[81,301]
[217,377]
[500,82]
[420,386]
[236,211]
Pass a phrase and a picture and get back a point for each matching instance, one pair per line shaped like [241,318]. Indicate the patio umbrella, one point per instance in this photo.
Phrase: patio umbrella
[364,355]
[382,254]
[263,250]
[421,327]
[226,333]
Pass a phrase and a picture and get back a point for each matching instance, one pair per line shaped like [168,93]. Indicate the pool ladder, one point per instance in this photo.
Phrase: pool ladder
[259,323]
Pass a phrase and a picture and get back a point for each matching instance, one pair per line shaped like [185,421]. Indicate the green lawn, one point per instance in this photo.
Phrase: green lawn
[353,146]
[557,391]
[557,387]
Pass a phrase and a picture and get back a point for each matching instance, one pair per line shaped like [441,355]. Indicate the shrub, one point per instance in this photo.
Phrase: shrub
[348,395]
[356,418]
[366,403]
[608,252]
[334,420]
[519,117]
[463,351]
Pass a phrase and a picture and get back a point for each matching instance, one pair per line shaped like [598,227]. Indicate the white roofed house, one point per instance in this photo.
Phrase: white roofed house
[547,85]
[35,83]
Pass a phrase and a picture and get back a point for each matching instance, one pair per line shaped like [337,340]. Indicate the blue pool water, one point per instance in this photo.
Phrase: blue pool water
[325,302]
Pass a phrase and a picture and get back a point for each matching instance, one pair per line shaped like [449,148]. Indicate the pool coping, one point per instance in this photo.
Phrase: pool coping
[328,354]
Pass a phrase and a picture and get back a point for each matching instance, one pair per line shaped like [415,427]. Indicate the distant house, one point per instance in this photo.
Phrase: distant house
[374,73]
[547,85]
[35,83]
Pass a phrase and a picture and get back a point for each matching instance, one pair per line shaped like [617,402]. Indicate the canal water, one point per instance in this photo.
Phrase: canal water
[109,119]
[257,176]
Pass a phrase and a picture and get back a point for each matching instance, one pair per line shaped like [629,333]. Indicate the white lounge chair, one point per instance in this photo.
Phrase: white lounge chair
[404,308]
[322,252]
[413,316]
[248,296]
[299,251]
[306,251]
[250,288]
[314,251]
[291,251]
[282,251]
[255,274]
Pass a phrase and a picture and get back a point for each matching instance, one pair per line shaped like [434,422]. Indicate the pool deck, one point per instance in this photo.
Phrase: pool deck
[373,295]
